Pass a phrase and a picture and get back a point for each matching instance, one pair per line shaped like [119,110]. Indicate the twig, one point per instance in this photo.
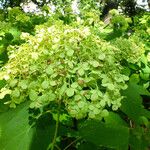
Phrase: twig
[72,143]
[56,129]
[57,147]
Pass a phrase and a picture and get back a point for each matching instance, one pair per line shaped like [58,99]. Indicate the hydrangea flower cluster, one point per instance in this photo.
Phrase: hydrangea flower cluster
[67,63]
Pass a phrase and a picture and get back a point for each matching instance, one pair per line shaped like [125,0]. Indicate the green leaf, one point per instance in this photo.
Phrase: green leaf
[101,134]
[114,119]
[132,104]
[2,83]
[16,133]
[144,76]
[87,146]
[139,139]
[134,78]
[146,70]
[70,92]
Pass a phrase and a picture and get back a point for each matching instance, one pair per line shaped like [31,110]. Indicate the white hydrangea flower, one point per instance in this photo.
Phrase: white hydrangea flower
[24,35]
[34,55]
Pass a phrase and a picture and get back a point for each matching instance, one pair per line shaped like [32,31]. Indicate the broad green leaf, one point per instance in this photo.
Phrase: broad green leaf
[145,76]
[132,104]
[114,119]
[134,78]
[16,133]
[104,113]
[15,32]
[139,139]
[101,134]
[87,146]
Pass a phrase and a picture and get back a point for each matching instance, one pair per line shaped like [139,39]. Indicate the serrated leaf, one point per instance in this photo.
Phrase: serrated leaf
[17,124]
[132,104]
[101,134]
